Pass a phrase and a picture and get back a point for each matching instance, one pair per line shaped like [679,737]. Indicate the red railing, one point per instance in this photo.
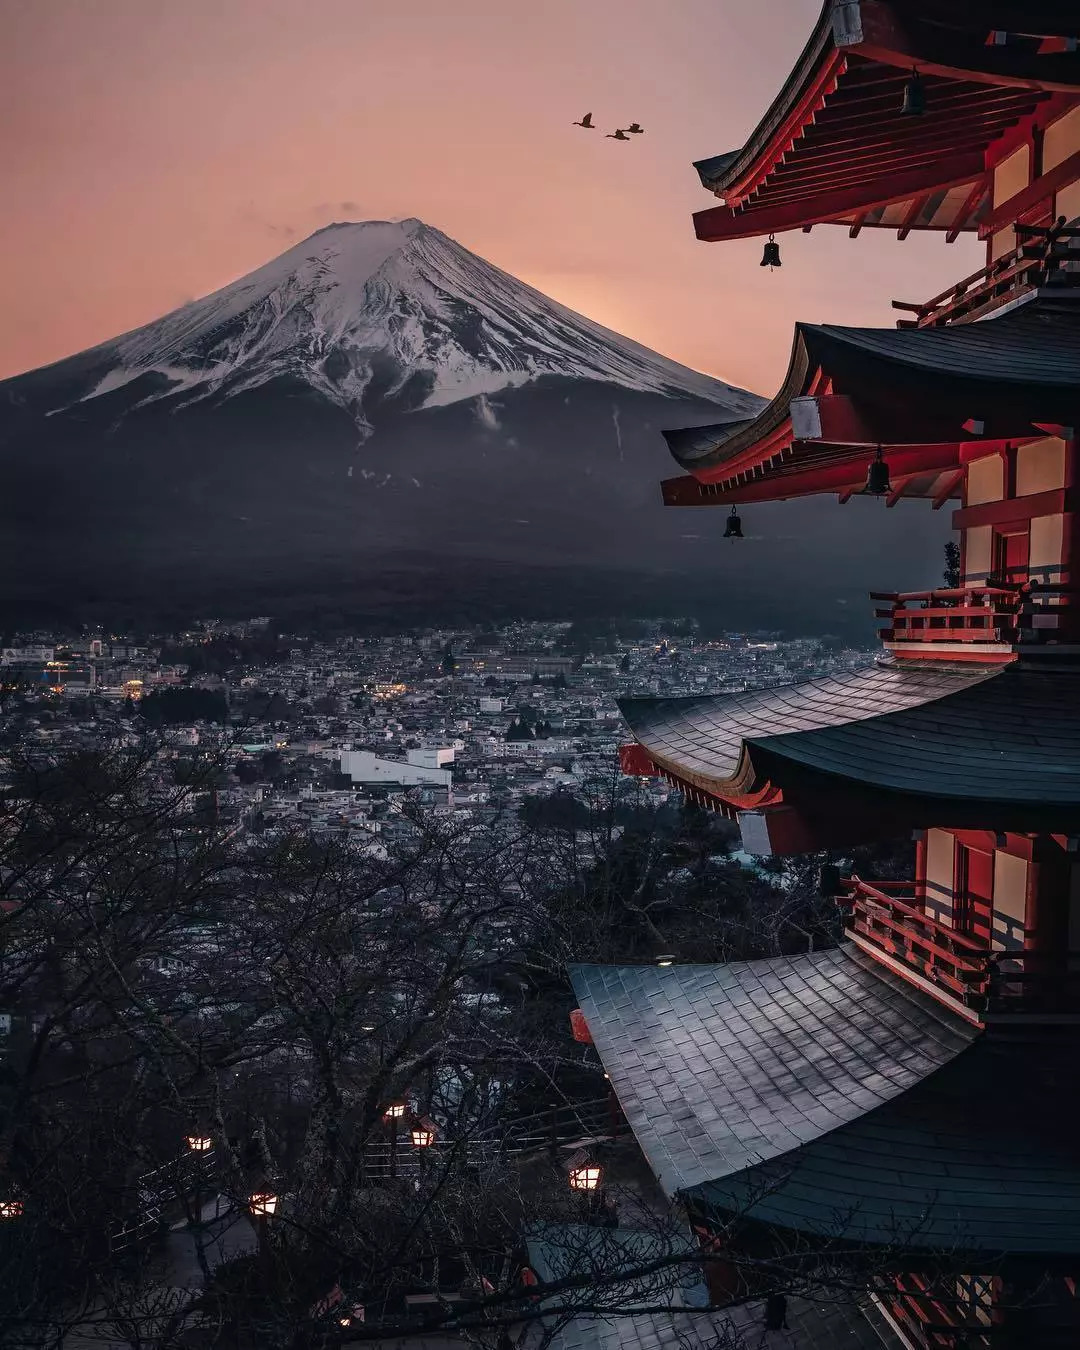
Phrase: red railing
[889,916]
[1007,614]
[1050,258]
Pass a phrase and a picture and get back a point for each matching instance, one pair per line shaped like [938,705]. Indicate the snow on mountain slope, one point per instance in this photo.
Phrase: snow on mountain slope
[393,303]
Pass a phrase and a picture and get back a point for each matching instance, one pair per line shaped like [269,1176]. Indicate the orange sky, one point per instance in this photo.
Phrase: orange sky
[153,150]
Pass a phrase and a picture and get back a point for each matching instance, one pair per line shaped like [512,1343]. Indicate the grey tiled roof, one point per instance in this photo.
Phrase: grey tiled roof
[1035,347]
[718,1068]
[704,735]
[982,1155]
[1012,739]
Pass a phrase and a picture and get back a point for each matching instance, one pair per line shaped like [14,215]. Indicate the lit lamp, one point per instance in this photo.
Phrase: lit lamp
[199,1143]
[393,1114]
[423,1133]
[263,1204]
[585,1177]
[665,959]
[11,1209]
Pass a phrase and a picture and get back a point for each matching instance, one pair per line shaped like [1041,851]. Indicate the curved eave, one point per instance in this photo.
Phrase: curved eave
[833,147]
[773,423]
[912,388]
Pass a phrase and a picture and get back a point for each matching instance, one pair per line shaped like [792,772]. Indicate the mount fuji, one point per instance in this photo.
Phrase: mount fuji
[377,415]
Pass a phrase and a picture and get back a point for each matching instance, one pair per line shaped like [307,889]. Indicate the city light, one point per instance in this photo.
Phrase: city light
[263,1204]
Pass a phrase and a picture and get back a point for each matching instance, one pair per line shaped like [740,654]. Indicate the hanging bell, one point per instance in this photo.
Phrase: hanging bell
[877,476]
[733,528]
[770,256]
[914,104]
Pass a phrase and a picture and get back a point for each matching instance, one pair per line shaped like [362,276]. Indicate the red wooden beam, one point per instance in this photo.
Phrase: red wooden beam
[937,52]
[866,183]
[912,214]
[951,486]
[1061,175]
[845,476]
[865,168]
[971,203]
[865,141]
[1052,503]
[885,120]
[721,222]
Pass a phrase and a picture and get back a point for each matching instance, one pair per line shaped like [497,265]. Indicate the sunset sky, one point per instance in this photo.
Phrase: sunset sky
[154,150]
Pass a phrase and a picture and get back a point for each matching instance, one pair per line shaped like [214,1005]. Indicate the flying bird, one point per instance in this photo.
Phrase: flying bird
[636,129]
[586,122]
[617,135]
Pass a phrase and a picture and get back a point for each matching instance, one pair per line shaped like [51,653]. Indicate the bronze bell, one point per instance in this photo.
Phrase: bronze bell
[877,476]
[770,256]
[914,104]
[733,528]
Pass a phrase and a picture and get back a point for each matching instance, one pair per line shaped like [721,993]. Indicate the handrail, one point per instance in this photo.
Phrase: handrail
[1024,265]
[973,945]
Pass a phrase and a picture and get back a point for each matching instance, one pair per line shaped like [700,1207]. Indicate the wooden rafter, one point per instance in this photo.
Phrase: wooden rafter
[722,222]
[970,205]
[912,214]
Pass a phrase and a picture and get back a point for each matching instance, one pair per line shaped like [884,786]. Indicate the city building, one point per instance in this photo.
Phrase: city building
[909,1097]
[421,767]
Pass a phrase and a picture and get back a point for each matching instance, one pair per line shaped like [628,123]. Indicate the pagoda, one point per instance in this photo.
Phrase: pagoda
[908,1098]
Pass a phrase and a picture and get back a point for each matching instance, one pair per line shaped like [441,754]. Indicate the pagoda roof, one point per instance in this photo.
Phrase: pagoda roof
[1001,371]
[833,147]
[978,1156]
[719,1068]
[971,740]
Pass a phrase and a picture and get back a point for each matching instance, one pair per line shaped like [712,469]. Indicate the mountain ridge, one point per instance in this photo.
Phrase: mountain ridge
[378,393]
[333,310]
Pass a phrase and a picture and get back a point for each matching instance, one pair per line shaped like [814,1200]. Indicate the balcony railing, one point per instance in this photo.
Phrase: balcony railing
[1009,614]
[1049,258]
[889,916]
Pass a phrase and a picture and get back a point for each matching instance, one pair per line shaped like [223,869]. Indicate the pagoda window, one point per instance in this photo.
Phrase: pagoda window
[1010,901]
[1040,466]
[1012,174]
[940,876]
[978,554]
[985,480]
[1045,546]
[1060,140]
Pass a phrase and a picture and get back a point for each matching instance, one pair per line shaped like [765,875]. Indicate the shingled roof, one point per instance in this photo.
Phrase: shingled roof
[997,736]
[966,368]
[703,737]
[964,1160]
[719,1068]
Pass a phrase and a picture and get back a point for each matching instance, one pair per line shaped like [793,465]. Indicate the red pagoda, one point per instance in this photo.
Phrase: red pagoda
[911,1095]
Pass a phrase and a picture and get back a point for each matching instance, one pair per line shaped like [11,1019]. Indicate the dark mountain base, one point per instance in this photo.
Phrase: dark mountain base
[542,501]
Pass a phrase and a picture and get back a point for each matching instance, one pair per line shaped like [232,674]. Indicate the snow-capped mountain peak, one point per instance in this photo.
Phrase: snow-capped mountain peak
[395,302]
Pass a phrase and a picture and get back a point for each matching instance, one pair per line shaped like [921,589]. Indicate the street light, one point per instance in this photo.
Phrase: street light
[585,1177]
[199,1143]
[666,959]
[393,1114]
[263,1204]
[423,1133]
